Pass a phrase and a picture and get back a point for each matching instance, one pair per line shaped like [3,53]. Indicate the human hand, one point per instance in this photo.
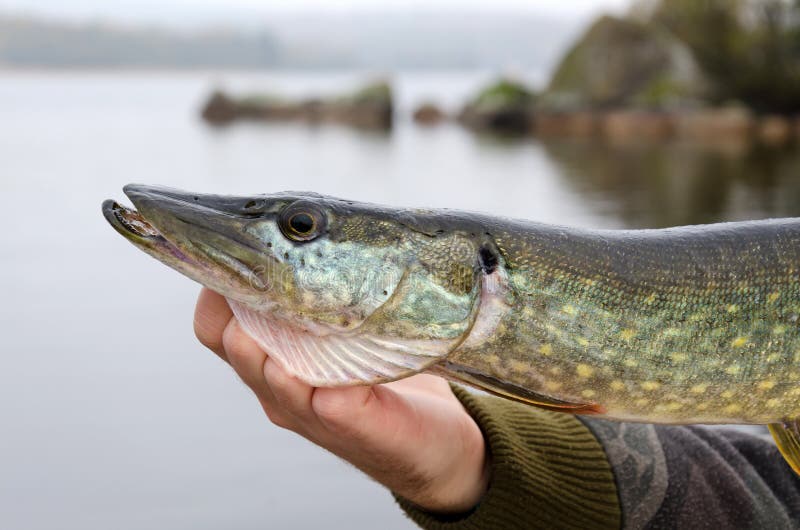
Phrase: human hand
[413,436]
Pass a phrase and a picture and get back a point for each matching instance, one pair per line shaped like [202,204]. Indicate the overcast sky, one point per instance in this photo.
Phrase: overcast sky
[182,11]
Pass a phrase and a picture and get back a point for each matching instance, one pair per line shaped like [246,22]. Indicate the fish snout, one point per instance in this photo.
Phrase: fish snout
[237,206]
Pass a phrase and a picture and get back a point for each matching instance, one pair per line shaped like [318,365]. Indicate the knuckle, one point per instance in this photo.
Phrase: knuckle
[204,333]
[279,380]
[289,393]
[235,343]
[330,407]
[278,419]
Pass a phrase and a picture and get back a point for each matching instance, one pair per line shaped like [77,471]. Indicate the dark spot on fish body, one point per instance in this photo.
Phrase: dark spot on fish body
[285,255]
[487,259]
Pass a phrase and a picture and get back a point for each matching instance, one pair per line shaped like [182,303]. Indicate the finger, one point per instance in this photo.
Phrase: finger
[247,359]
[279,416]
[350,412]
[423,383]
[211,316]
[290,393]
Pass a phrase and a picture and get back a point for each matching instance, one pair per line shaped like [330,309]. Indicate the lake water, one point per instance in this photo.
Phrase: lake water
[111,414]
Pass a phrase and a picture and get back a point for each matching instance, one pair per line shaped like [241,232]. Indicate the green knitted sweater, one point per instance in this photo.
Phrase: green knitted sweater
[548,471]
[553,471]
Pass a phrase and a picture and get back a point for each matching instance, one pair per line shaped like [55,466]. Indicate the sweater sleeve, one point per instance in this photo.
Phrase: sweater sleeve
[548,471]
[673,476]
[555,470]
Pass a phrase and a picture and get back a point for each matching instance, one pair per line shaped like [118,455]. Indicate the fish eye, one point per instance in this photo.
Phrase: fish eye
[301,221]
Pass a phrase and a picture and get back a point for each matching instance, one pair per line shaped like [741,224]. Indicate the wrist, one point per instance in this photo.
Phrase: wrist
[463,478]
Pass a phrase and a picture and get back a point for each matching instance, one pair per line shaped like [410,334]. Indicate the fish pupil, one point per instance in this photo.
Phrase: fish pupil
[302,223]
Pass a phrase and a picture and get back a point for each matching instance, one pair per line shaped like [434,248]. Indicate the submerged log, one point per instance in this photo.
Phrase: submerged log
[628,126]
[578,124]
[732,124]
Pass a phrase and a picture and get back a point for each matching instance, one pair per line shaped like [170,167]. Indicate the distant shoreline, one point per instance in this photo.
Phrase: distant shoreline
[363,71]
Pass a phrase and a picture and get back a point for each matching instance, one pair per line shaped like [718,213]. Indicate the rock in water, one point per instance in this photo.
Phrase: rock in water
[370,108]
[504,107]
[620,62]
[429,114]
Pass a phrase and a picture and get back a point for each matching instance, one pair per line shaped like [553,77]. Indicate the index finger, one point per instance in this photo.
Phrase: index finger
[211,315]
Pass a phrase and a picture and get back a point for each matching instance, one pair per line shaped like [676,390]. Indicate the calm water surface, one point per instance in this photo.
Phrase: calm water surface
[112,416]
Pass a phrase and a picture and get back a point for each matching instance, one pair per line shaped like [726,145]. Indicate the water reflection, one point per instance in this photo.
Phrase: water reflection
[673,183]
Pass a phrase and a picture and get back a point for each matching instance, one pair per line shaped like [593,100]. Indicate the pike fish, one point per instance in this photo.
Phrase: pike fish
[695,324]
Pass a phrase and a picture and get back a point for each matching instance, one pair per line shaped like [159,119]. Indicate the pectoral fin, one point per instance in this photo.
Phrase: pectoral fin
[337,359]
[460,374]
[787,438]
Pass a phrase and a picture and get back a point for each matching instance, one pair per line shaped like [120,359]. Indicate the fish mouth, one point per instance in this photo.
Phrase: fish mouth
[132,225]
[129,222]
[204,237]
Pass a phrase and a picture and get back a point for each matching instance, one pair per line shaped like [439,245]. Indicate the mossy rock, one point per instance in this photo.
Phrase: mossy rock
[621,62]
[379,92]
[369,107]
[505,106]
[504,94]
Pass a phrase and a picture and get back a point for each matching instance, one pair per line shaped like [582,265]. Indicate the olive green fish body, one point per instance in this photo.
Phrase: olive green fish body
[681,325]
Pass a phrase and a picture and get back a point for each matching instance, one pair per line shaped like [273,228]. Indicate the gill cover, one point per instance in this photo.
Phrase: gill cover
[383,348]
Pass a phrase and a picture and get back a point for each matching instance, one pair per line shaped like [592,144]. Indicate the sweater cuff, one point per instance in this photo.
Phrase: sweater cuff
[547,471]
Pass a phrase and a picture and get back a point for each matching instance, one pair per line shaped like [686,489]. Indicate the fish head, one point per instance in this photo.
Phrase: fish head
[340,293]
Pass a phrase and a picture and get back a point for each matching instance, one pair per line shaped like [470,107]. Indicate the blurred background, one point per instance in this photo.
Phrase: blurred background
[604,113]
